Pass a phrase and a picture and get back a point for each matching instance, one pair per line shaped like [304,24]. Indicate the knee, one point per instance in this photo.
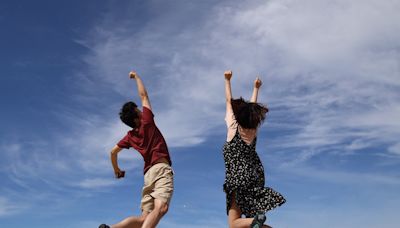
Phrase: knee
[162,208]
[231,223]
[142,218]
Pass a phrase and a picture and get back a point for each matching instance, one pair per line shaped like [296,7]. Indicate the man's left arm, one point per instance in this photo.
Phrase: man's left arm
[114,161]
[144,97]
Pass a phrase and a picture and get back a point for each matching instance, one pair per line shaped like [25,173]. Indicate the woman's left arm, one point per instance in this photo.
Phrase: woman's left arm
[257,85]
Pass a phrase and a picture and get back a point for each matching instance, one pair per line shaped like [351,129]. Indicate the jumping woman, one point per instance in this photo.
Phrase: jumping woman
[244,172]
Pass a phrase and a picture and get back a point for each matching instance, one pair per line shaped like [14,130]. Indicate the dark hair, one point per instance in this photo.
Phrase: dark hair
[128,114]
[249,115]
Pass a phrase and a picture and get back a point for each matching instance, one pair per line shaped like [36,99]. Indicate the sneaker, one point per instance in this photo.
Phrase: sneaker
[258,221]
[103,226]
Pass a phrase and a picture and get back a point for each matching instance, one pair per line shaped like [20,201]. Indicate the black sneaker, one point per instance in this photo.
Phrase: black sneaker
[103,226]
[258,221]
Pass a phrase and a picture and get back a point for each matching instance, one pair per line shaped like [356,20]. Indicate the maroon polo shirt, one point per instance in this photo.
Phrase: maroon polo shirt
[147,140]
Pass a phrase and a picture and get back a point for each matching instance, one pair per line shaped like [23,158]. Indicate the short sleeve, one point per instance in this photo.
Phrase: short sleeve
[147,115]
[124,142]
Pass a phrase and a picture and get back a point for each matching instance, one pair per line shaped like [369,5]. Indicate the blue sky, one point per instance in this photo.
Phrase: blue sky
[331,73]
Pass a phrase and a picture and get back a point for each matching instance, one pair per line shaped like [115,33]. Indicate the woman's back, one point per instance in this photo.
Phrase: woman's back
[248,135]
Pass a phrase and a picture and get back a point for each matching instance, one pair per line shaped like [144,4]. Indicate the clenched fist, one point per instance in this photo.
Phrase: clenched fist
[228,75]
[132,74]
[257,82]
[120,174]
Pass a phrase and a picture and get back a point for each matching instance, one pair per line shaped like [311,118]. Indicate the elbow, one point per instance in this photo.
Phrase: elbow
[143,95]
[114,152]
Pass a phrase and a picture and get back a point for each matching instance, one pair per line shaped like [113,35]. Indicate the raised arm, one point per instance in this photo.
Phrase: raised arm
[228,91]
[257,85]
[141,90]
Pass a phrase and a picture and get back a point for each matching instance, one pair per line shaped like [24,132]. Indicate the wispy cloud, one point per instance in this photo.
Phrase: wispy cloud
[333,66]
[91,140]
[330,71]
[10,207]
[61,169]
[342,177]
[395,149]
[96,183]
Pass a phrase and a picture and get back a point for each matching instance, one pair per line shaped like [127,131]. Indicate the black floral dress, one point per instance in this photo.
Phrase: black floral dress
[245,179]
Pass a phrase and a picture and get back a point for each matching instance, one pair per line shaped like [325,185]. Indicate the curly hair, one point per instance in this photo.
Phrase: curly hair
[128,114]
[249,115]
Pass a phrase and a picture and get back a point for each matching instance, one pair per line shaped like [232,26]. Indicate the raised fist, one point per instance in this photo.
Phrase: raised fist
[257,82]
[132,74]
[228,74]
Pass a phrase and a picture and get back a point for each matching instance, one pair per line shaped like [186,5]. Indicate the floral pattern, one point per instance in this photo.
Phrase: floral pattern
[244,179]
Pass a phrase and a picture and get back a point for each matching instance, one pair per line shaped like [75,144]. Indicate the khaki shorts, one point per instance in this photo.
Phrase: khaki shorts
[158,184]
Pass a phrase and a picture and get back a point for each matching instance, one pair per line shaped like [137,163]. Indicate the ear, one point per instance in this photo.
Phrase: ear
[137,122]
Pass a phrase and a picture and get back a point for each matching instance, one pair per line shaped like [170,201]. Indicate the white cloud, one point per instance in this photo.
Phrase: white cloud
[341,176]
[8,207]
[325,62]
[58,169]
[96,183]
[395,149]
[330,71]
[330,67]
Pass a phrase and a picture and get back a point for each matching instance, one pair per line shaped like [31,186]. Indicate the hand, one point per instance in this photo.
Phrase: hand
[228,75]
[257,83]
[132,74]
[119,174]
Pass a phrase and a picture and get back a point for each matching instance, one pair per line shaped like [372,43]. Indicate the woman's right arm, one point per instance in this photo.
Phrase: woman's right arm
[229,119]
[228,91]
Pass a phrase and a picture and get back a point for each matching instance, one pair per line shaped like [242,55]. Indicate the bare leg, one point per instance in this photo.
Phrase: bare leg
[152,219]
[234,217]
[131,222]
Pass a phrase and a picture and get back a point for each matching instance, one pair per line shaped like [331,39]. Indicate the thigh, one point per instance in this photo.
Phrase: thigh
[164,184]
[234,212]
[147,202]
